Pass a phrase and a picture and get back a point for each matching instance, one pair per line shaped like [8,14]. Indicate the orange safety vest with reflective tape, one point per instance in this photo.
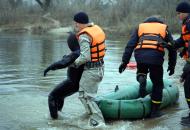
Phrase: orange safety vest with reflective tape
[186,37]
[97,47]
[151,35]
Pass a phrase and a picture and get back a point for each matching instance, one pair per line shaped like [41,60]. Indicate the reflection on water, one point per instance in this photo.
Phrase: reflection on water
[24,90]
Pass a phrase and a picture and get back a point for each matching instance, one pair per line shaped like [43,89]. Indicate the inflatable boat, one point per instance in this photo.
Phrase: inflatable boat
[124,102]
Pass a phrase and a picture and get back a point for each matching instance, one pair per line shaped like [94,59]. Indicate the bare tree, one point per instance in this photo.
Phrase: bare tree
[44,5]
[15,3]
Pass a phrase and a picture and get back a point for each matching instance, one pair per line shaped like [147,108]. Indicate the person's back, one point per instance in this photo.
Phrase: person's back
[149,41]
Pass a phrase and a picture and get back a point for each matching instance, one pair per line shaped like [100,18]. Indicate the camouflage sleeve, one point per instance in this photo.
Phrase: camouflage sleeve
[84,42]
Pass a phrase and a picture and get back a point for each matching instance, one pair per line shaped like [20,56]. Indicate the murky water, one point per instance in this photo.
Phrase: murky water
[24,90]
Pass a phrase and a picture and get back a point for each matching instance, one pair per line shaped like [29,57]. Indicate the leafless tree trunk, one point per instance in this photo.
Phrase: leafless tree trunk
[44,5]
[15,3]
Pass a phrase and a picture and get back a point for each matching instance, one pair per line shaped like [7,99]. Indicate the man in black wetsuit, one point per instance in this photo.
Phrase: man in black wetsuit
[69,85]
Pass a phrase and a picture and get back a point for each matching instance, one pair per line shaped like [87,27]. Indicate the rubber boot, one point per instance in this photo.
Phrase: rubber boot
[53,109]
[142,87]
[155,112]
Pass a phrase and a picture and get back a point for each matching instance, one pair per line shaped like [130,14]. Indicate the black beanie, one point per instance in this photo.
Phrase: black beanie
[81,17]
[72,42]
[183,7]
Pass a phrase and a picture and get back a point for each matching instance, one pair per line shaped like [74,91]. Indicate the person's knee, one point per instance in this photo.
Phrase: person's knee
[141,77]
[51,102]
[51,98]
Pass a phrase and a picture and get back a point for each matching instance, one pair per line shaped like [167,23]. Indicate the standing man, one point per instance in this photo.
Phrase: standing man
[149,41]
[92,45]
[183,10]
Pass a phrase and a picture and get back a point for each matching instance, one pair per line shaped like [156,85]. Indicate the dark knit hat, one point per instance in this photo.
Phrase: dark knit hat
[81,17]
[183,7]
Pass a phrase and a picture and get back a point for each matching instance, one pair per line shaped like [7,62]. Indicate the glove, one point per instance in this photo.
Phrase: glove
[46,70]
[170,70]
[122,67]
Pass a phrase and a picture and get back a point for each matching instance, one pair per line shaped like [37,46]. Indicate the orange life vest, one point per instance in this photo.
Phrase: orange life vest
[97,47]
[186,37]
[151,35]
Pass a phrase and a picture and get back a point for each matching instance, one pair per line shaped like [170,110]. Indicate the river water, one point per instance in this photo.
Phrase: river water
[24,90]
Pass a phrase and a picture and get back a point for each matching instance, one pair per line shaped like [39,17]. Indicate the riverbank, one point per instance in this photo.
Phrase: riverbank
[117,18]
[43,29]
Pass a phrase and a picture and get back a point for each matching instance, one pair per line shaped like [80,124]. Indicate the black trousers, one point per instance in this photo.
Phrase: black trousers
[187,88]
[67,87]
[186,77]
[156,76]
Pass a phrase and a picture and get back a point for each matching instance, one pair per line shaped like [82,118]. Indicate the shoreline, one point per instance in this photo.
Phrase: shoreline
[56,31]
[48,29]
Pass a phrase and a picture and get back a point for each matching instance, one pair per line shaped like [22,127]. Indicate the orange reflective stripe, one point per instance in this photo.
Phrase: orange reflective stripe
[98,41]
[150,42]
[150,47]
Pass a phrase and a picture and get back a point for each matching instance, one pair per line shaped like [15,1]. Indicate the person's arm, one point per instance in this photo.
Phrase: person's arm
[129,50]
[85,55]
[179,43]
[130,47]
[172,54]
[64,62]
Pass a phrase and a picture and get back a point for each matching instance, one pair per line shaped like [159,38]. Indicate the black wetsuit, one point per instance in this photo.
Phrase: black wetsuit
[71,84]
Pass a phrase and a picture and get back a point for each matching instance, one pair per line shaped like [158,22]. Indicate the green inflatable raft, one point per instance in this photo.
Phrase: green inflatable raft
[125,103]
